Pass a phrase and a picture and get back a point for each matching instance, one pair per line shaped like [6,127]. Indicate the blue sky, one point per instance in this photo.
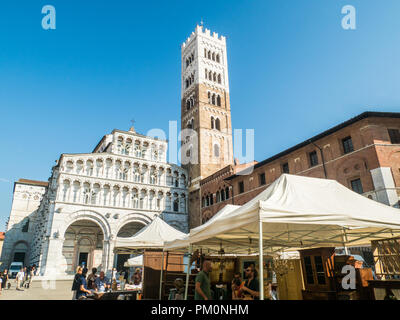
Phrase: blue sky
[294,72]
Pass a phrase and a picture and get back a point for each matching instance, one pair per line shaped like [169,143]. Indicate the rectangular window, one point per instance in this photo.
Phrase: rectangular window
[394,135]
[285,168]
[313,158]
[309,270]
[262,179]
[347,145]
[241,187]
[319,268]
[357,186]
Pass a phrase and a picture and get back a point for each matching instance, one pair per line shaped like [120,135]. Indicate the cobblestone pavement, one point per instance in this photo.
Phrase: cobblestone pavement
[58,290]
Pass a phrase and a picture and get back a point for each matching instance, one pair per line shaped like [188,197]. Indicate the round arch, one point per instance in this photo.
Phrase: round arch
[132,218]
[91,216]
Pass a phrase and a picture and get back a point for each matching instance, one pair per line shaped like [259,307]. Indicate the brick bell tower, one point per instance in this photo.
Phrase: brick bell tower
[205,112]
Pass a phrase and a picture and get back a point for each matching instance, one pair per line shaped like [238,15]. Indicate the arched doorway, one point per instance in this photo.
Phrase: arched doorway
[128,230]
[20,252]
[83,243]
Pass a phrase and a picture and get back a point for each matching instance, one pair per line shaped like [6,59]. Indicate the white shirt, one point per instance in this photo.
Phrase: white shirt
[20,275]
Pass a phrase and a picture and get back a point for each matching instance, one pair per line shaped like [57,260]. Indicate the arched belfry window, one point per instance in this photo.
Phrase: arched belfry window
[213,99]
[212,123]
[218,101]
[176,205]
[217,124]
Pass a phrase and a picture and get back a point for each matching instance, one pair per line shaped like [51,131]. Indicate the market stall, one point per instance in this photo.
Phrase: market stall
[148,244]
[296,213]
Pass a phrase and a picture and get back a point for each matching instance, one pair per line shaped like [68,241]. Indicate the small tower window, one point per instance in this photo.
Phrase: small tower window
[212,123]
[218,101]
[216,150]
[217,124]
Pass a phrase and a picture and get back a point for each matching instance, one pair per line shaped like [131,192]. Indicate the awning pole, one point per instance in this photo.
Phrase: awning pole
[161,274]
[188,272]
[346,251]
[261,260]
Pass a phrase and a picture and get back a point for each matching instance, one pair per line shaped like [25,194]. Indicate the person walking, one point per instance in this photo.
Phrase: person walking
[31,274]
[84,269]
[79,285]
[4,278]
[203,288]
[20,278]
[26,278]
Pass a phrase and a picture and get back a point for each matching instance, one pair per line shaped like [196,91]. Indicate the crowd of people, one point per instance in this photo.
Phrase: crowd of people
[93,284]
[247,289]
[23,278]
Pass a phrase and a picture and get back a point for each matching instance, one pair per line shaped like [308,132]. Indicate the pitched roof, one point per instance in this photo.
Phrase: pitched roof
[364,115]
[33,182]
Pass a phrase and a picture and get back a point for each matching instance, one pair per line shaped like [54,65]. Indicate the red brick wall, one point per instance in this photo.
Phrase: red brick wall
[372,149]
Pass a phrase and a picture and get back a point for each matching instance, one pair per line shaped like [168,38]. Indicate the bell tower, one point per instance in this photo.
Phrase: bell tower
[205,112]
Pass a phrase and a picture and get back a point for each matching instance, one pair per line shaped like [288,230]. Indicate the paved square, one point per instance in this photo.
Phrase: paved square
[38,291]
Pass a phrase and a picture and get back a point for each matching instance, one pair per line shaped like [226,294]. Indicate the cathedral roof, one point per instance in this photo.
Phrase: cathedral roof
[33,182]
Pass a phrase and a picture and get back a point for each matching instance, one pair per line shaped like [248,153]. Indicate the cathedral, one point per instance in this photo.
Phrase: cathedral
[125,182]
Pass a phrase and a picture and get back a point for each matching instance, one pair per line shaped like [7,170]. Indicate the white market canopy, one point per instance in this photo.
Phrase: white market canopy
[152,236]
[296,212]
[185,242]
[134,262]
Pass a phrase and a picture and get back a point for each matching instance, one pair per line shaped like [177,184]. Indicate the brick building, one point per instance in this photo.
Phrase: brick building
[362,153]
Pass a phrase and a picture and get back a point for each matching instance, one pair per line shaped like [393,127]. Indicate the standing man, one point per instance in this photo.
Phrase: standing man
[203,287]
[251,286]
[20,278]
[92,278]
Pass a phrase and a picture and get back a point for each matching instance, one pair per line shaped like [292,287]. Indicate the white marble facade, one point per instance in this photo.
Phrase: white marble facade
[27,197]
[92,198]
